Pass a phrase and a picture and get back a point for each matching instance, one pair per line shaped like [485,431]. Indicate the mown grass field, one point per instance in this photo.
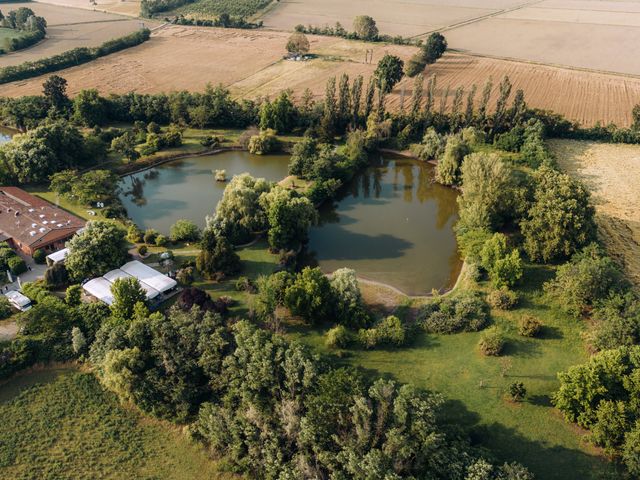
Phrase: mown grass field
[475,387]
[59,423]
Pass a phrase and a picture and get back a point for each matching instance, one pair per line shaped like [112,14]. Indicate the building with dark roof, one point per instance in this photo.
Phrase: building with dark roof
[29,223]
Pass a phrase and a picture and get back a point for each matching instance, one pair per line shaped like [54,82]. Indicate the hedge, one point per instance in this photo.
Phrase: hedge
[71,58]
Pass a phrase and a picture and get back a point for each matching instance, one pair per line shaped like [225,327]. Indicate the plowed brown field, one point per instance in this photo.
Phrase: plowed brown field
[612,173]
[250,63]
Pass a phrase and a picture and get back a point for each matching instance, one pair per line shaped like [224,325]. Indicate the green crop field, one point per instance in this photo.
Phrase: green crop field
[59,423]
[213,8]
[531,432]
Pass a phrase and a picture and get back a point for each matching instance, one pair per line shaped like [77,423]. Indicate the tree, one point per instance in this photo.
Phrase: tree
[93,186]
[448,168]
[348,298]
[389,72]
[89,108]
[184,231]
[289,217]
[263,143]
[561,218]
[100,247]
[239,213]
[216,258]
[278,115]
[298,44]
[126,293]
[310,296]
[487,192]
[78,341]
[125,145]
[588,278]
[56,275]
[365,27]
[73,295]
[54,90]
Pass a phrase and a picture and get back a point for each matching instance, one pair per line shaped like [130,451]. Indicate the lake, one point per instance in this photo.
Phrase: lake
[186,188]
[393,224]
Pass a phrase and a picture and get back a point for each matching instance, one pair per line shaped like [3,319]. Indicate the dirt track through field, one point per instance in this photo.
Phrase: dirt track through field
[612,174]
[250,63]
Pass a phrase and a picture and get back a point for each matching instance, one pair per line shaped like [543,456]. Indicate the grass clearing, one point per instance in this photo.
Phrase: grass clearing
[60,423]
[531,432]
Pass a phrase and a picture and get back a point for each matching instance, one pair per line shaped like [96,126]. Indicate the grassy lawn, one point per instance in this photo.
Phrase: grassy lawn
[256,260]
[60,423]
[531,432]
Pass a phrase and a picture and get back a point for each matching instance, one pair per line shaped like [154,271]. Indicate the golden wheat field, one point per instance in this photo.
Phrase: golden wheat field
[612,174]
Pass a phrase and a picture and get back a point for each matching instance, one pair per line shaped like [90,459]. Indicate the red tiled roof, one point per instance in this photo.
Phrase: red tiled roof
[33,221]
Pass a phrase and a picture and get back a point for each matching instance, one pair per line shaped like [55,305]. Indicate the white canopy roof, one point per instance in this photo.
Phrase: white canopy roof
[149,276]
[18,299]
[113,275]
[58,256]
[99,288]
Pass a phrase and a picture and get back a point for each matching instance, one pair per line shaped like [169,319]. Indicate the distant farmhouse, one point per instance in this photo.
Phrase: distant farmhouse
[29,223]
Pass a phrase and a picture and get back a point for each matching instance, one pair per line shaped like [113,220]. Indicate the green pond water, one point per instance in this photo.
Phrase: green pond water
[157,197]
[393,225]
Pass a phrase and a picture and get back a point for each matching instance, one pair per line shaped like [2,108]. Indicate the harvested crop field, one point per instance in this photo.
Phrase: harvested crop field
[186,58]
[598,35]
[69,28]
[121,7]
[394,17]
[612,173]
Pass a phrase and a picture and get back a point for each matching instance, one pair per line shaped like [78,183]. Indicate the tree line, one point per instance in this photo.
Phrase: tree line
[33,28]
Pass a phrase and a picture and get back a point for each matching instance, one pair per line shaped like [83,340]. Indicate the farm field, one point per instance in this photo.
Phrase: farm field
[212,8]
[69,28]
[121,7]
[612,173]
[60,423]
[394,17]
[179,57]
[598,35]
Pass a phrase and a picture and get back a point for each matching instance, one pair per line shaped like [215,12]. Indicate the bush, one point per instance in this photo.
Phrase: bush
[517,391]
[338,337]
[142,250]
[502,299]
[40,256]
[529,326]
[150,236]
[73,295]
[16,265]
[265,142]
[491,343]
[185,275]
[465,312]
[184,231]
[244,284]
[134,235]
[56,276]
[389,332]
[5,307]
[161,241]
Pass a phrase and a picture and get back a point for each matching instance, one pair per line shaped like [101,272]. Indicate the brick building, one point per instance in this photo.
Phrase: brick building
[29,223]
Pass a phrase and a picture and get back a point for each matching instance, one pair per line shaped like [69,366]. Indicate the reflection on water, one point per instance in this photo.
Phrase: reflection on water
[156,198]
[393,224]
[6,134]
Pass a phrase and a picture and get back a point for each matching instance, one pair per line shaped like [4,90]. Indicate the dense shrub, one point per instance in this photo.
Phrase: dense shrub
[265,142]
[502,298]
[617,321]
[17,265]
[448,168]
[40,256]
[491,343]
[590,276]
[142,250]
[387,333]
[529,326]
[465,312]
[5,307]
[150,235]
[184,231]
[338,337]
